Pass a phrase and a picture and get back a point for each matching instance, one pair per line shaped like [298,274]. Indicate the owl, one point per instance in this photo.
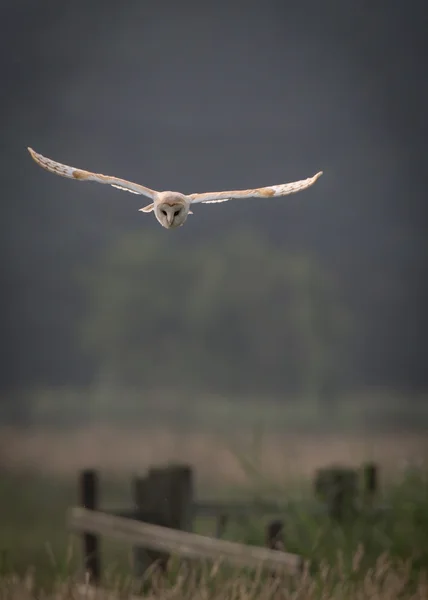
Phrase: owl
[171,208]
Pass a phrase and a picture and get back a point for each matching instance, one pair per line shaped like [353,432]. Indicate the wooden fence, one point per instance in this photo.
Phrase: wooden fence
[186,545]
[160,523]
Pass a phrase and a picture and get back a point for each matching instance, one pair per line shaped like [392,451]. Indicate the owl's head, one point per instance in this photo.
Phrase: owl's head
[171,210]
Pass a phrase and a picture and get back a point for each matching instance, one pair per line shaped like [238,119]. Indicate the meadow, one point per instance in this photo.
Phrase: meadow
[372,556]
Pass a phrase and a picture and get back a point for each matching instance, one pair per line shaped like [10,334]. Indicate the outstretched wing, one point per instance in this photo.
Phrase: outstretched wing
[265,192]
[80,175]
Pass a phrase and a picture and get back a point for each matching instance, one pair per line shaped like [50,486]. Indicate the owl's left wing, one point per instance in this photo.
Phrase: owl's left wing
[80,175]
[265,192]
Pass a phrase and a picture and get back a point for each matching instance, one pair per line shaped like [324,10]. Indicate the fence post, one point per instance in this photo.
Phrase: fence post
[337,486]
[275,535]
[146,511]
[370,482]
[221,524]
[179,479]
[164,497]
[89,500]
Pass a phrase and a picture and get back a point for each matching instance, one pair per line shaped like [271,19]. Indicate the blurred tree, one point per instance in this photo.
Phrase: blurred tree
[238,315]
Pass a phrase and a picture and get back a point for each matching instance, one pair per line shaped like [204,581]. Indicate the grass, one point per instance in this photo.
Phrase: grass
[374,556]
[387,580]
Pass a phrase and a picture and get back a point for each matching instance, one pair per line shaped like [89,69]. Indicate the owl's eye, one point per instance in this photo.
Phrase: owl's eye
[177,212]
[163,211]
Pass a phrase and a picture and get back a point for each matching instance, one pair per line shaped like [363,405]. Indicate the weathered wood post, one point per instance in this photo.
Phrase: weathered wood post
[337,486]
[89,499]
[147,511]
[221,524]
[275,541]
[370,482]
[275,535]
[163,497]
[179,482]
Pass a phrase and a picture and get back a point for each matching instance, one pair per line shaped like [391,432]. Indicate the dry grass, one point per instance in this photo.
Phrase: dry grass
[279,457]
[386,581]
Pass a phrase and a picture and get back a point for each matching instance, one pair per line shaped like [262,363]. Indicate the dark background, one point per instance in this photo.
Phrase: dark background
[196,96]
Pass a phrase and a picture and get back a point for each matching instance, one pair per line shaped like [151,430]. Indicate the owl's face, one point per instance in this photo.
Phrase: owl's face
[172,211]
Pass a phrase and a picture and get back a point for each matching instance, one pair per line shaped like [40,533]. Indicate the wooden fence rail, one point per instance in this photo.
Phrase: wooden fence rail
[182,543]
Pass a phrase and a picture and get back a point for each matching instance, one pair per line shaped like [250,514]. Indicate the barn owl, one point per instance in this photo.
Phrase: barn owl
[171,208]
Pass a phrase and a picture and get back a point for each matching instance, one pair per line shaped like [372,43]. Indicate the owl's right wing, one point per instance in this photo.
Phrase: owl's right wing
[72,173]
[271,191]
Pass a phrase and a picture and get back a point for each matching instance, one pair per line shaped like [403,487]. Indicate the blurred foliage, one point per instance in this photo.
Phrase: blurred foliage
[396,530]
[238,315]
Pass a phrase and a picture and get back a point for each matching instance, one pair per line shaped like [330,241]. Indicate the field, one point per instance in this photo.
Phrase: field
[39,472]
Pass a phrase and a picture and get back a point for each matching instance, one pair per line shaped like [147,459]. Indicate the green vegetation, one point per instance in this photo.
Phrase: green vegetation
[250,318]
[32,509]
